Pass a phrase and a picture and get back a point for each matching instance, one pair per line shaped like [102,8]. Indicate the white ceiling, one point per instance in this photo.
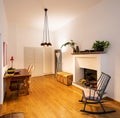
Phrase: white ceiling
[31,12]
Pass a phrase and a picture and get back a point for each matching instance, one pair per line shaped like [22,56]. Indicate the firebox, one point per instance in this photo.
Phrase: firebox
[89,77]
[90,74]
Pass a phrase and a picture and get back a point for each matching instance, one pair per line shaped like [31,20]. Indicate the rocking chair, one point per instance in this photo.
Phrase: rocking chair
[96,94]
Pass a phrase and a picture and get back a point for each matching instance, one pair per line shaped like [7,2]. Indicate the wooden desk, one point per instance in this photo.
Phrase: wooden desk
[22,77]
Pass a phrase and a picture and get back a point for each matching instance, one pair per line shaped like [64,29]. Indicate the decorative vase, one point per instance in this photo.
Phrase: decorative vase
[77,49]
[74,50]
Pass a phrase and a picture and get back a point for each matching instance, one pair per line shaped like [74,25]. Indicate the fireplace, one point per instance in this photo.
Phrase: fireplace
[81,62]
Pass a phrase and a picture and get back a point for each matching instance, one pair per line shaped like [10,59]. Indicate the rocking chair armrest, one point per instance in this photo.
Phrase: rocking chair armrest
[95,89]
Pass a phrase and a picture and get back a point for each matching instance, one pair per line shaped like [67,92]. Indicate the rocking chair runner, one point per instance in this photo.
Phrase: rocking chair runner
[96,94]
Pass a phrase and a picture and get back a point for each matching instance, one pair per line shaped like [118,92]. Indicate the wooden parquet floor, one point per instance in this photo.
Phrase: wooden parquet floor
[51,99]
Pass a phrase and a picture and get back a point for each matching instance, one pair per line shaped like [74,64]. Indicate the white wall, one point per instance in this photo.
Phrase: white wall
[101,22]
[41,58]
[1,74]
[20,37]
[3,37]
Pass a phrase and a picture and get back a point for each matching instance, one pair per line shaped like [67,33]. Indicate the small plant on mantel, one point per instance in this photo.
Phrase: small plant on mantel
[70,43]
[100,45]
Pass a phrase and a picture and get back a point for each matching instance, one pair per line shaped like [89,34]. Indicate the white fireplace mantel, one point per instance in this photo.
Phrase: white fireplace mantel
[89,61]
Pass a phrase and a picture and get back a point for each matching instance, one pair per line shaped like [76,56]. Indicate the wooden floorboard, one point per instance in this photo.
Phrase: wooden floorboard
[51,99]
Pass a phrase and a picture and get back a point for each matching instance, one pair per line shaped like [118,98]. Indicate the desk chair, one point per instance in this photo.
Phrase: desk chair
[30,70]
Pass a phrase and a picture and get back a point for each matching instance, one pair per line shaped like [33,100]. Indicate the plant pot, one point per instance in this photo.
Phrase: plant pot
[100,49]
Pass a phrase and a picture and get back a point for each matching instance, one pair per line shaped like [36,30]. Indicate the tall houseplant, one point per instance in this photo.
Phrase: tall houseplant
[70,43]
[100,45]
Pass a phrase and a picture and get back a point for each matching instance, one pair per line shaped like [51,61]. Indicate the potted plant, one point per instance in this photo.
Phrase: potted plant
[70,43]
[100,45]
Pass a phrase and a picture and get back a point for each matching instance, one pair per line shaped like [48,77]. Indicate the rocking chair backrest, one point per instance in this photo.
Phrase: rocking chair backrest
[102,84]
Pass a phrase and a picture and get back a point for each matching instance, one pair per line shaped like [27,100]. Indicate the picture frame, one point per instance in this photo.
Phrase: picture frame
[4,53]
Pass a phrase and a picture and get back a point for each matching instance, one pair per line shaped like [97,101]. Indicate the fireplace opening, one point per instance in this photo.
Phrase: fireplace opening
[89,77]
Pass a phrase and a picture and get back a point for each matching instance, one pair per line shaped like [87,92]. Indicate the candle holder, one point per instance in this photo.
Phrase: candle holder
[11,59]
[11,70]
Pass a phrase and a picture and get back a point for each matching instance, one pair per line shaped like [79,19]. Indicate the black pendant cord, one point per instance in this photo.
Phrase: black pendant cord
[46,37]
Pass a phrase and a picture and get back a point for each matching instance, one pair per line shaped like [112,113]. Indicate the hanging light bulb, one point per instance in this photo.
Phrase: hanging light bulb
[46,37]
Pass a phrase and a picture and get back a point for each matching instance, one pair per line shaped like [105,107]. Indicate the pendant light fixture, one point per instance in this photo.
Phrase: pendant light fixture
[46,37]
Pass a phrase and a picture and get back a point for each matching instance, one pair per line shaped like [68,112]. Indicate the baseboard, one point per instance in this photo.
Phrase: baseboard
[111,99]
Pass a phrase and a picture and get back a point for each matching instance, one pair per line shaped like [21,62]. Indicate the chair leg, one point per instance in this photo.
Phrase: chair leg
[85,105]
[81,100]
[102,106]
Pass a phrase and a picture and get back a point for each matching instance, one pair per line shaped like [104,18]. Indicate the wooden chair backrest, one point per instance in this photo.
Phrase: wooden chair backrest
[30,68]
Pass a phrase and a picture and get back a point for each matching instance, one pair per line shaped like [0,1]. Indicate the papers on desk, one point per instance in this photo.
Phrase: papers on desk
[17,72]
